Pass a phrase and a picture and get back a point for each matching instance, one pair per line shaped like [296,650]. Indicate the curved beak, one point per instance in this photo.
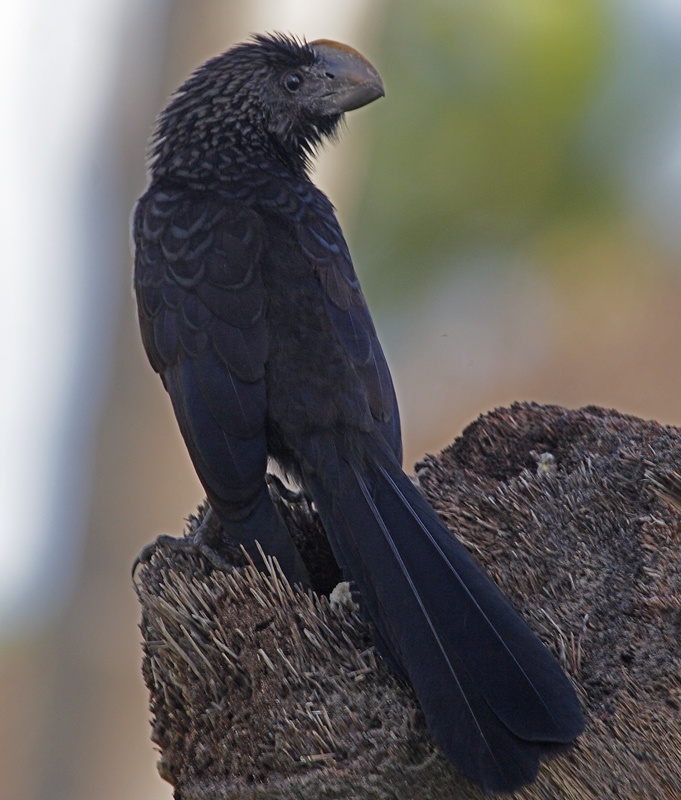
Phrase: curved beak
[352,81]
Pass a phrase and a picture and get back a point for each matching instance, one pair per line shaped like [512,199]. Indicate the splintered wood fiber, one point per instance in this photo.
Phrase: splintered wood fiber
[261,692]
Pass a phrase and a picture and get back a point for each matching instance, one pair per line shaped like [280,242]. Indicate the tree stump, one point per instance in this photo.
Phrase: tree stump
[258,691]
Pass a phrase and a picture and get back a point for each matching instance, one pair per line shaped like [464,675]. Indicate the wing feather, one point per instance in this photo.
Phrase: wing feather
[321,240]
[201,301]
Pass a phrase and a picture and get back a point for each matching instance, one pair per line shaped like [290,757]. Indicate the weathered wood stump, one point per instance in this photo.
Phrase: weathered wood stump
[258,691]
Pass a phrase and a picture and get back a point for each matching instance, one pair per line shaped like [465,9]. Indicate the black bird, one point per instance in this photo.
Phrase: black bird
[252,314]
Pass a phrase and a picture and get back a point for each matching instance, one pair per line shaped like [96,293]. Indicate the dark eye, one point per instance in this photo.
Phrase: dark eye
[293,82]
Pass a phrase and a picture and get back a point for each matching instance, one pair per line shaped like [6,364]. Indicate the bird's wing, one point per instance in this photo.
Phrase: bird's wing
[200,303]
[322,242]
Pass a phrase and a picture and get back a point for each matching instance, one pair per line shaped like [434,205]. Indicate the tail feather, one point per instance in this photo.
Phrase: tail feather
[493,696]
[524,684]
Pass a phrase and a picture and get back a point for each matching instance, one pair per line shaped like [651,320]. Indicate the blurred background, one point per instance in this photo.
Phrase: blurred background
[513,207]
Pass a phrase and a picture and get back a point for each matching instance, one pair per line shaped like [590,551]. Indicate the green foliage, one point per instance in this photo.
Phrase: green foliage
[477,139]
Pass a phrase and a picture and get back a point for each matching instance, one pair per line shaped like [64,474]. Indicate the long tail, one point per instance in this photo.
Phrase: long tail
[493,696]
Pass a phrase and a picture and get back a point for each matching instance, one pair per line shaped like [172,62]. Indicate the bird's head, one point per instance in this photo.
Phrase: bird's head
[274,94]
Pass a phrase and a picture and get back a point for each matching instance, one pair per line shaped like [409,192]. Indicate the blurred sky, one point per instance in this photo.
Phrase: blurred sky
[512,205]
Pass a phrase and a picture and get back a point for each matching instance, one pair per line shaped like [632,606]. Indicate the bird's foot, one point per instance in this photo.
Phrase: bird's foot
[197,542]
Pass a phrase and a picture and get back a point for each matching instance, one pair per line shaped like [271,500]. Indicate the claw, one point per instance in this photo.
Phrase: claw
[194,543]
[145,554]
